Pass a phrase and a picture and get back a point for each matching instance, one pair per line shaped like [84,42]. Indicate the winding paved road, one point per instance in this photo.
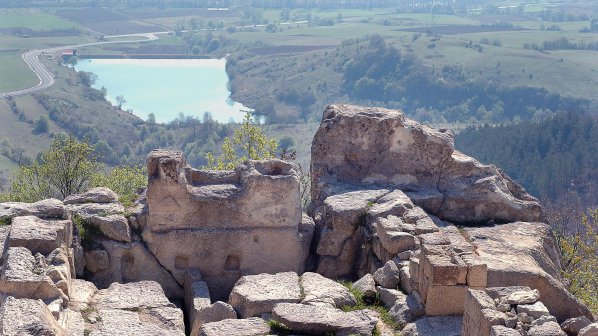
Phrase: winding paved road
[46,79]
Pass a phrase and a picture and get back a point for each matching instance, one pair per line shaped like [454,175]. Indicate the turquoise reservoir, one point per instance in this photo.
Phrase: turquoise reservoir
[166,87]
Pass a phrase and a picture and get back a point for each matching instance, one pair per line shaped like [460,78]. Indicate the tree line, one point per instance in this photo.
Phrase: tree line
[555,159]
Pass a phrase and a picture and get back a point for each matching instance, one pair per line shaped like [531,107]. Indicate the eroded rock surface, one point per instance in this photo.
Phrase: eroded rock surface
[319,320]
[363,145]
[194,215]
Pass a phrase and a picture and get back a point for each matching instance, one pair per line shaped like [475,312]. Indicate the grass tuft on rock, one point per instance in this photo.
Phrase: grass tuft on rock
[278,328]
[375,306]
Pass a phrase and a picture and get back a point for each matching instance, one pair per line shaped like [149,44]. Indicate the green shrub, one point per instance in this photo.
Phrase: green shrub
[123,180]
[577,239]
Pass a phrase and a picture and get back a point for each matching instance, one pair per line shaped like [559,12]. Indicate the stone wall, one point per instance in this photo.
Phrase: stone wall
[225,224]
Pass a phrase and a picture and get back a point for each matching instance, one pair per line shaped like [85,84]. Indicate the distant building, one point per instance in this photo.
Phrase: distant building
[68,53]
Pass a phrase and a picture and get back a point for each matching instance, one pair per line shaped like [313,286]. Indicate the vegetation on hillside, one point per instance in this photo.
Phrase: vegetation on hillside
[576,234]
[373,72]
[70,167]
[553,159]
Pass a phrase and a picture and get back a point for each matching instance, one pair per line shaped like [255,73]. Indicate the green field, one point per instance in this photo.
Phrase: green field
[14,72]
[300,50]
[35,19]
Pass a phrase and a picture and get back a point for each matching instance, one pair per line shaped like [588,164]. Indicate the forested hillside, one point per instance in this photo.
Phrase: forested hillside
[373,71]
[555,159]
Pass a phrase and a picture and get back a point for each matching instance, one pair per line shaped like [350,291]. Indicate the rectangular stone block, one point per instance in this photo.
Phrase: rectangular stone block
[474,324]
[445,300]
[38,235]
[445,270]
[477,271]
[414,268]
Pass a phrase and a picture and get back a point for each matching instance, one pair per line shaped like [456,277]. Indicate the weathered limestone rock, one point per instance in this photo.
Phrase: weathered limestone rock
[480,314]
[434,326]
[338,222]
[27,317]
[124,322]
[546,329]
[196,215]
[318,290]
[523,297]
[81,293]
[367,286]
[86,210]
[440,273]
[38,235]
[499,330]
[319,320]
[524,254]
[254,295]
[254,326]
[139,308]
[403,308]
[591,330]
[115,227]
[574,325]
[535,310]
[361,145]
[94,195]
[215,312]
[199,307]
[132,262]
[49,208]
[392,238]
[136,295]
[96,260]
[389,297]
[24,276]
[388,276]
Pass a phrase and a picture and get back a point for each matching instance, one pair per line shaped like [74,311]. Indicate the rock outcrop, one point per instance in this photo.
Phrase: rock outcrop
[447,245]
[373,146]
[194,216]
[387,194]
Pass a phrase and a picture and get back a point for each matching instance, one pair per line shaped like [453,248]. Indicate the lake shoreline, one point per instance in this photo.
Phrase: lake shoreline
[166,87]
[143,56]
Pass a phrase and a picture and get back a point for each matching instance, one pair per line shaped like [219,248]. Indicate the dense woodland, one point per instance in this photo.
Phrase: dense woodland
[554,159]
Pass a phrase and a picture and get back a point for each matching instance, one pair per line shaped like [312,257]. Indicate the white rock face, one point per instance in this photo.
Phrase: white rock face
[254,295]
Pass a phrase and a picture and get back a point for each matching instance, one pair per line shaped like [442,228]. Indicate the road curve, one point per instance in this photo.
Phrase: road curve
[45,77]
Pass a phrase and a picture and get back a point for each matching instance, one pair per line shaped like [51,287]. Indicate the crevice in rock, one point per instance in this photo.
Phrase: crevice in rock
[158,261]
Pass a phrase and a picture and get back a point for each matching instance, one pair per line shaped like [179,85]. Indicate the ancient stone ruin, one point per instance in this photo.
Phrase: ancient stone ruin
[441,243]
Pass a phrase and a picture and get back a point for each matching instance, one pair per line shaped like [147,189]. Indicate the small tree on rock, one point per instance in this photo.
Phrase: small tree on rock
[64,169]
[248,143]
